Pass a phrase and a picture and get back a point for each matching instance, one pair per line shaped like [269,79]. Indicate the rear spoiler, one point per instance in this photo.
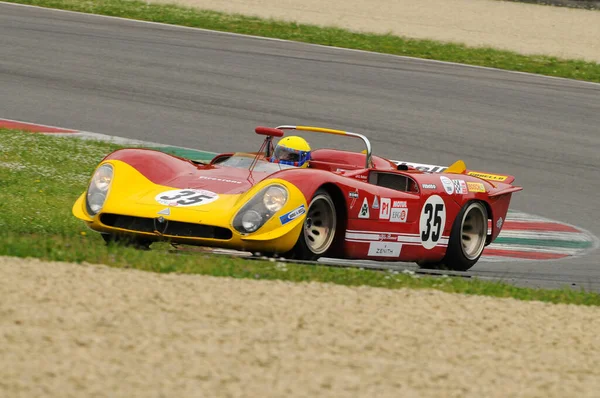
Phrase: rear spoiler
[504,191]
[459,167]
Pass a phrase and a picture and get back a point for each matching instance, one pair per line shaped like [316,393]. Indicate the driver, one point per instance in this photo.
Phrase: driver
[293,151]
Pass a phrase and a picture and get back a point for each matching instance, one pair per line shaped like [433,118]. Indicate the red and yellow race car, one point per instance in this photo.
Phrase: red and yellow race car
[339,204]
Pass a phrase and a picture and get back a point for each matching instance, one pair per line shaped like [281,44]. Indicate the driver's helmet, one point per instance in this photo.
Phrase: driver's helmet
[293,151]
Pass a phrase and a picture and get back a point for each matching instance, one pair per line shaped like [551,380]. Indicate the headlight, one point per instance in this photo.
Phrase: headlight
[102,177]
[251,220]
[98,189]
[274,198]
[258,210]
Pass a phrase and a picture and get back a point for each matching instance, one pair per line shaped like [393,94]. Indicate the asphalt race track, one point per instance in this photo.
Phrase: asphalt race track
[209,90]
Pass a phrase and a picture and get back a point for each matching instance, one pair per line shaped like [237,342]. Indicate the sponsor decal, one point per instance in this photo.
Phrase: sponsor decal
[364,209]
[429,186]
[432,221]
[360,177]
[375,203]
[292,215]
[384,249]
[386,236]
[165,211]
[428,168]
[354,196]
[447,184]
[499,223]
[186,197]
[384,211]
[489,177]
[458,187]
[475,187]
[219,179]
[399,203]
[398,214]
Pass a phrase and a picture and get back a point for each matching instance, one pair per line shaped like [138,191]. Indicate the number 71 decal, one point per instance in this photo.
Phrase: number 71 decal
[432,222]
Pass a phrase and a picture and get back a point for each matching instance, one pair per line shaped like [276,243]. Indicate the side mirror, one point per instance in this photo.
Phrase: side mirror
[269,131]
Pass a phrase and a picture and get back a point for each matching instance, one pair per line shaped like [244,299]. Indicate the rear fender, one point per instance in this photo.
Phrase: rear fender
[499,205]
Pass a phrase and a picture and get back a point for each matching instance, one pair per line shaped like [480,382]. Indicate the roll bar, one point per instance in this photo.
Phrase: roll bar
[337,132]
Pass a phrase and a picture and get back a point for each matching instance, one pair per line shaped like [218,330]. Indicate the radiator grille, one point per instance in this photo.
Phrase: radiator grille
[173,228]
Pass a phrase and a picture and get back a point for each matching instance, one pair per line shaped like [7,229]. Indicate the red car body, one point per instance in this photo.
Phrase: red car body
[384,210]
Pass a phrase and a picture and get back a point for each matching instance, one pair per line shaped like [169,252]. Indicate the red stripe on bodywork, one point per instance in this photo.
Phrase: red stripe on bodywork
[524,255]
[538,226]
[34,128]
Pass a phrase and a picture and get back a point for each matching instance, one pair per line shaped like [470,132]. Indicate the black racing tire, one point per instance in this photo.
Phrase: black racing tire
[319,229]
[467,238]
[137,243]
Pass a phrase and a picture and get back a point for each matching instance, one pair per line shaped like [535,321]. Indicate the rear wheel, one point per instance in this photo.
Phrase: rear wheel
[467,239]
[468,236]
[318,230]
[137,243]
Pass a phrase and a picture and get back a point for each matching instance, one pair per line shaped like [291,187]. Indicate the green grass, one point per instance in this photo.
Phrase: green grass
[389,44]
[42,176]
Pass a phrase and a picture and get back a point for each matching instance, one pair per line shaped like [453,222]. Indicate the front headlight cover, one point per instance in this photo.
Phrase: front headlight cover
[98,189]
[274,198]
[258,210]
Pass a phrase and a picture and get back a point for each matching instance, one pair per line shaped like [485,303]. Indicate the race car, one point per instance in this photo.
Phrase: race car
[342,204]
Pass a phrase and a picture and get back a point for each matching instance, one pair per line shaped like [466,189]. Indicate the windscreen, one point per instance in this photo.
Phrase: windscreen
[243,160]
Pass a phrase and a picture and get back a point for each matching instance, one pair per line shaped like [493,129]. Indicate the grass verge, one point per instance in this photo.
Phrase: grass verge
[42,176]
[389,44]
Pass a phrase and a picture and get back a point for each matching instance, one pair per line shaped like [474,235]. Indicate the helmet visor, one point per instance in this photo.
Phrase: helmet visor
[286,154]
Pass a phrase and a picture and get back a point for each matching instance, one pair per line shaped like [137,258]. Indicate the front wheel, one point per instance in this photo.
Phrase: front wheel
[318,230]
[467,238]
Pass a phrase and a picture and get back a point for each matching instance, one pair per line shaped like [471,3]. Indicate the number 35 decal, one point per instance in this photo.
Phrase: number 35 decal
[432,222]
[186,197]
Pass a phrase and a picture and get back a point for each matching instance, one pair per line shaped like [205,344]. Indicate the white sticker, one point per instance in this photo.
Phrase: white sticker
[186,197]
[384,249]
[398,214]
[384,209]
[429,186]
[432,222]
[364,209]
[448,185]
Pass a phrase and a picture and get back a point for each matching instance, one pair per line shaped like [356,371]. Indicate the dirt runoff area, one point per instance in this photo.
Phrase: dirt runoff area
[71,330]
[524,28]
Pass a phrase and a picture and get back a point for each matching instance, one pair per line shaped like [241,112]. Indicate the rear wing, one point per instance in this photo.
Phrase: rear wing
[459,167]
[506,179]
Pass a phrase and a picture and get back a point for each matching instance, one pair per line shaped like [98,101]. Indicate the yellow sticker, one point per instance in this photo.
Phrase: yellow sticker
[475,187]
[490,177]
